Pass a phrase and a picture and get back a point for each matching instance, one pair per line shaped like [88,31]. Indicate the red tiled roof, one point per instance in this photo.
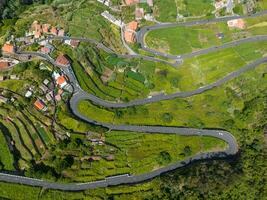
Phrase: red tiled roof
[4,64]
[39,104]
[62,60]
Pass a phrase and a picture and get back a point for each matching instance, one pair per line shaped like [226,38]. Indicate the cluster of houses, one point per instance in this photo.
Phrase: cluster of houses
[130,32]
[37,30]
[49,93]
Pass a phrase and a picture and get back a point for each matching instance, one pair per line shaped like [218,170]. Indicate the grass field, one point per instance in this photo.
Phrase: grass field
[6,157]
[171,40]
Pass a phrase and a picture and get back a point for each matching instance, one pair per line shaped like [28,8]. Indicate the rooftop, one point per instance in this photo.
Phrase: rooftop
[62,60]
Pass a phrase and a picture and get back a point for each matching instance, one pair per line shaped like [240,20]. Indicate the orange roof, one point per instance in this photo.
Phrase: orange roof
[61,80]
[53,30]
[39,104]
[4,64]
[132,25]
[46,28]
[129,36]
[62,60]
[131,2]
[8,48]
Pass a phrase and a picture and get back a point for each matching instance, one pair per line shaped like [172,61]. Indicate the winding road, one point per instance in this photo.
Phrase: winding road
[79,95]
[144,30]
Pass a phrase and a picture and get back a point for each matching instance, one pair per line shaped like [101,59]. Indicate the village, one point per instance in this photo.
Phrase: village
[46,93]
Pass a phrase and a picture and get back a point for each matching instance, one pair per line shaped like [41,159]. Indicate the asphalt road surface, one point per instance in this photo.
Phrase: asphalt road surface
[79,94]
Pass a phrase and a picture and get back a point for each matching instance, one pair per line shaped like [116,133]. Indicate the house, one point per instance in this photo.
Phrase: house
[61,33]
[236,23]
[58,97]
[39,105]
[72,43]
[139,13]
[132,26]
[37,34]
[131,2]
[63,61]
[44,88]
[4,64]
[48,96]
[46,28]
[219,4]
[129,36]
[46,82]
[61,81]
[54,31]
[28,94]
[220,35]
[8,48]
[150,3]
[14,77]
[45,50]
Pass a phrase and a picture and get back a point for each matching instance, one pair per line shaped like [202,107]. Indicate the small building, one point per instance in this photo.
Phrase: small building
[46,28]
[54,31]
[129,36]
[14,77]
[39,105]
[131,2]
[58,97]
[48,96]
[236,23]
[72,43]
[4,64]
[28,94]
[8,48]
[61,33]
[46,82]
[61,81]
[44,88]
[63,61]
[139,13]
